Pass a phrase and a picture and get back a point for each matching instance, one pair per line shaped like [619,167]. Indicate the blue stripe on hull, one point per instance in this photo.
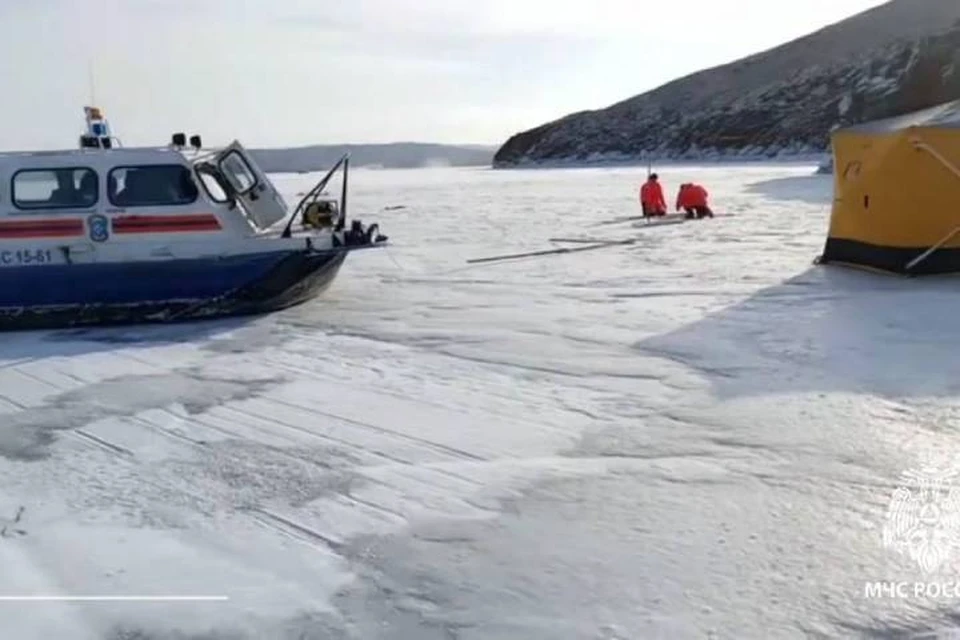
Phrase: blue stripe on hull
[130,283]
[174,291]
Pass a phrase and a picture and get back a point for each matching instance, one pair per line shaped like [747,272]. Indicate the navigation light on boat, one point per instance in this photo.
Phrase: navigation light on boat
[178,140]
[195,142]
[98,130]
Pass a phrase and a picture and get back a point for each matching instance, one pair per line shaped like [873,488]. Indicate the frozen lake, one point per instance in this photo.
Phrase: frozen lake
[696,436]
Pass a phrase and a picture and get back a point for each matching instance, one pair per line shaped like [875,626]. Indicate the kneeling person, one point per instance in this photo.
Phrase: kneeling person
[684,200]
[651,198]
[695,202]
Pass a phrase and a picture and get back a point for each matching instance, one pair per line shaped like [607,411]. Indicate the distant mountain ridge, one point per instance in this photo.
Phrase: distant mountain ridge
[396,155]
[899,57]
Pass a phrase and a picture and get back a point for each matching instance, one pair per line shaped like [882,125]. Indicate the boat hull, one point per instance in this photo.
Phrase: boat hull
[63,296]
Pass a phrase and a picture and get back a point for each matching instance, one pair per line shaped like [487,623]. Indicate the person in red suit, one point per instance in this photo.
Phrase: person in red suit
[692,198]
[651,198]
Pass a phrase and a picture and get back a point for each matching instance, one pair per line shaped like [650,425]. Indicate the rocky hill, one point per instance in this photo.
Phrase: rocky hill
[899,57]
[399,155]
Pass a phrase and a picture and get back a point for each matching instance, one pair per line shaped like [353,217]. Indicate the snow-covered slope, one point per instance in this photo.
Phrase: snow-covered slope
[896,58]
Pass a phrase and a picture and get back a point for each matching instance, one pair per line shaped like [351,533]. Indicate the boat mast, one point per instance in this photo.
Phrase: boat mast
[93,92]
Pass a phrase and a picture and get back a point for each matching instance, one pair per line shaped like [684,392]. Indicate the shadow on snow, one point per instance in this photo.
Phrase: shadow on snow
[812,189]
[828,329]
[35,345]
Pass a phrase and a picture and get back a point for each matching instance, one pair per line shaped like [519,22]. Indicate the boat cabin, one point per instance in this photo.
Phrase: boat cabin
[225,189]
[130,192]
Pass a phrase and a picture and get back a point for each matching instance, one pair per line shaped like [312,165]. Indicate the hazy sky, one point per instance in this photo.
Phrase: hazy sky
[293,72]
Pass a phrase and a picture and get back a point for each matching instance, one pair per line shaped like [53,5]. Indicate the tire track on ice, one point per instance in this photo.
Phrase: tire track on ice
[458,455]
[435,495]
[366,473]
[179,437]
[392,459]
[154,477]
[208,504]
[199,491]
[308,460]
[79,434]
[102,443]
[199,420]
[588,379]
[295,530]
[327,379]
[384,430]
[360,472]
[551,421]
[272,421]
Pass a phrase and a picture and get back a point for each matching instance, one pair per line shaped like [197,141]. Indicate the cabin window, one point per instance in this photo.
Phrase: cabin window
[55,188]
[238,172]
[151,185]
[212,185]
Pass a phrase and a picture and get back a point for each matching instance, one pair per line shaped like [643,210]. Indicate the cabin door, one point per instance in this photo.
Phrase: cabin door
[257,195]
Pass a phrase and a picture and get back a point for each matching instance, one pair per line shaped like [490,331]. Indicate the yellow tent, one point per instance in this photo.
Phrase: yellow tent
[897,194]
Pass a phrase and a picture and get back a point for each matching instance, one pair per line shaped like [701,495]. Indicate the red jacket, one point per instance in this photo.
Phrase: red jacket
[651,194]
[691,196]
[698,196]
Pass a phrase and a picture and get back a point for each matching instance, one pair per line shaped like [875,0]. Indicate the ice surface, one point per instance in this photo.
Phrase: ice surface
[695,436]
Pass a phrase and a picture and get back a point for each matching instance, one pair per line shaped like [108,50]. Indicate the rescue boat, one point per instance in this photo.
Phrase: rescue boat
[105,234]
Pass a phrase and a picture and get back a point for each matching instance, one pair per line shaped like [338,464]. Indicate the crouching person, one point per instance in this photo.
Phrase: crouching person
[692,198]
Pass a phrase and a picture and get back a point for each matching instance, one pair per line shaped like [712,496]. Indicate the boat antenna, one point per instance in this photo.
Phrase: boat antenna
[93,87]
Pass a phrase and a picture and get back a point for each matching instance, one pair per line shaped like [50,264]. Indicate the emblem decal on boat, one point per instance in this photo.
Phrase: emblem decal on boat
[99,227]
